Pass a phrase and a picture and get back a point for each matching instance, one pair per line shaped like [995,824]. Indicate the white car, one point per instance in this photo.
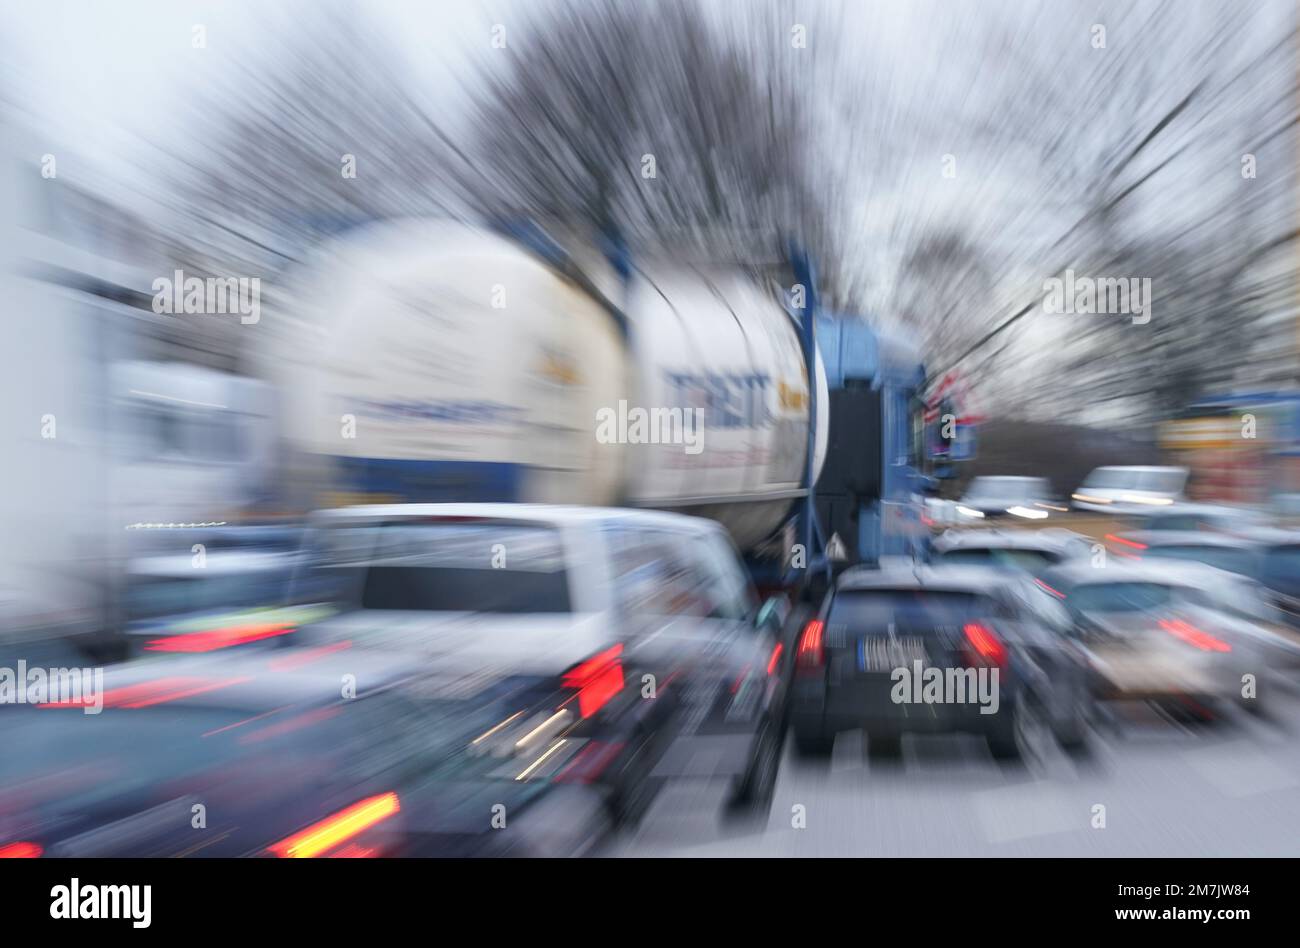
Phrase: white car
[986,497]
[634,633]
[1130,490]
[1169,628]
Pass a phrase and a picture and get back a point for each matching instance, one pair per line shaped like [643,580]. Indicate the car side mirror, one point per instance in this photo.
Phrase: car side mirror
[771,615]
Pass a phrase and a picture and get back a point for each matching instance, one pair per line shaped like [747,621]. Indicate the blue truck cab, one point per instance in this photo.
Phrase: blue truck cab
[869,497]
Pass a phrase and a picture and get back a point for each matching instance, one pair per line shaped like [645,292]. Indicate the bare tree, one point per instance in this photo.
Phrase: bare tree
[320,133]
[643,118]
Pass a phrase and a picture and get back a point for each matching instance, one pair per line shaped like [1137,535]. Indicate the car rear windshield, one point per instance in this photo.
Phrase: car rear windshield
[1024,487]
[445,566]
[1032,560]
[1227,558]
[1119,597]
[876,610]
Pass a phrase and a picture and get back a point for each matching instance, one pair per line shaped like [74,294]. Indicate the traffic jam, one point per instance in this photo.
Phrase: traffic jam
[467,530]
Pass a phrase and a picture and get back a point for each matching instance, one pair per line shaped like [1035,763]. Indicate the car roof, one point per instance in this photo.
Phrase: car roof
[258,679]
[1169,572]
[1140,468]
[219,562]
[1273,536]
[1159,538]
[1048,539]
[1196,507]
[924,576]
[554,514]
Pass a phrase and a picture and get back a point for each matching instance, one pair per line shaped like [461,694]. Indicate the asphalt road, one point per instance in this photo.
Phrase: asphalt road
[1227,788]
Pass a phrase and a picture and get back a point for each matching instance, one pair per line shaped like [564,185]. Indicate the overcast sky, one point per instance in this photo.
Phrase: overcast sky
[101,82]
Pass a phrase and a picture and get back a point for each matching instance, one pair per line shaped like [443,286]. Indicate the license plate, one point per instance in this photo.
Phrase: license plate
[883,654]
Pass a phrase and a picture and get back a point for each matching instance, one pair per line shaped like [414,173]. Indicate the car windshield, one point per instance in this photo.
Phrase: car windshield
[1031,560]
[1227,558]
[443,566]
[1119,597]
[151,597]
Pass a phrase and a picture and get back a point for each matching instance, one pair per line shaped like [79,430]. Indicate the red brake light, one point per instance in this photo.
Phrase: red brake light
[148,693]
[23,850]
[335,830]
[988,647]
[1132,544]
[1055,592]
[776,657]
[215,639]
[1194,636]
[596,680]
[810,653]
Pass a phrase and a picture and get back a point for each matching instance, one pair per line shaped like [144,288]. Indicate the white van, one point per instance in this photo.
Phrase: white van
[1130,490]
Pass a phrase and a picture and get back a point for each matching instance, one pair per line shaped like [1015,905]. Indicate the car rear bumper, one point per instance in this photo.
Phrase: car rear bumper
[868,705]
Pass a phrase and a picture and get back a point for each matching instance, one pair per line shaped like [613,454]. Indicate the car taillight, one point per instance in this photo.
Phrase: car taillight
[22,850]
[214,639]
[774,658]
[1194,636]
[340,828]
[985,648]
[811,653]
[1117,544]
[596,680]
[1046,588]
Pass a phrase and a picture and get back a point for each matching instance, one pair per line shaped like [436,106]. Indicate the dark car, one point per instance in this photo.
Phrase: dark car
[1030,550]
[1279,571]
[211,757]
[857,661]
[320,752]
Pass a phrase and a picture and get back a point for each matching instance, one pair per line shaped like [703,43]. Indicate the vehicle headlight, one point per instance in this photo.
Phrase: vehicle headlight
[970,512]
[1027,512]
[1151,501]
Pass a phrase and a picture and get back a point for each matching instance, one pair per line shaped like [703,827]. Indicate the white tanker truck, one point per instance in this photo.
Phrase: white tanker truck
[432,361]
